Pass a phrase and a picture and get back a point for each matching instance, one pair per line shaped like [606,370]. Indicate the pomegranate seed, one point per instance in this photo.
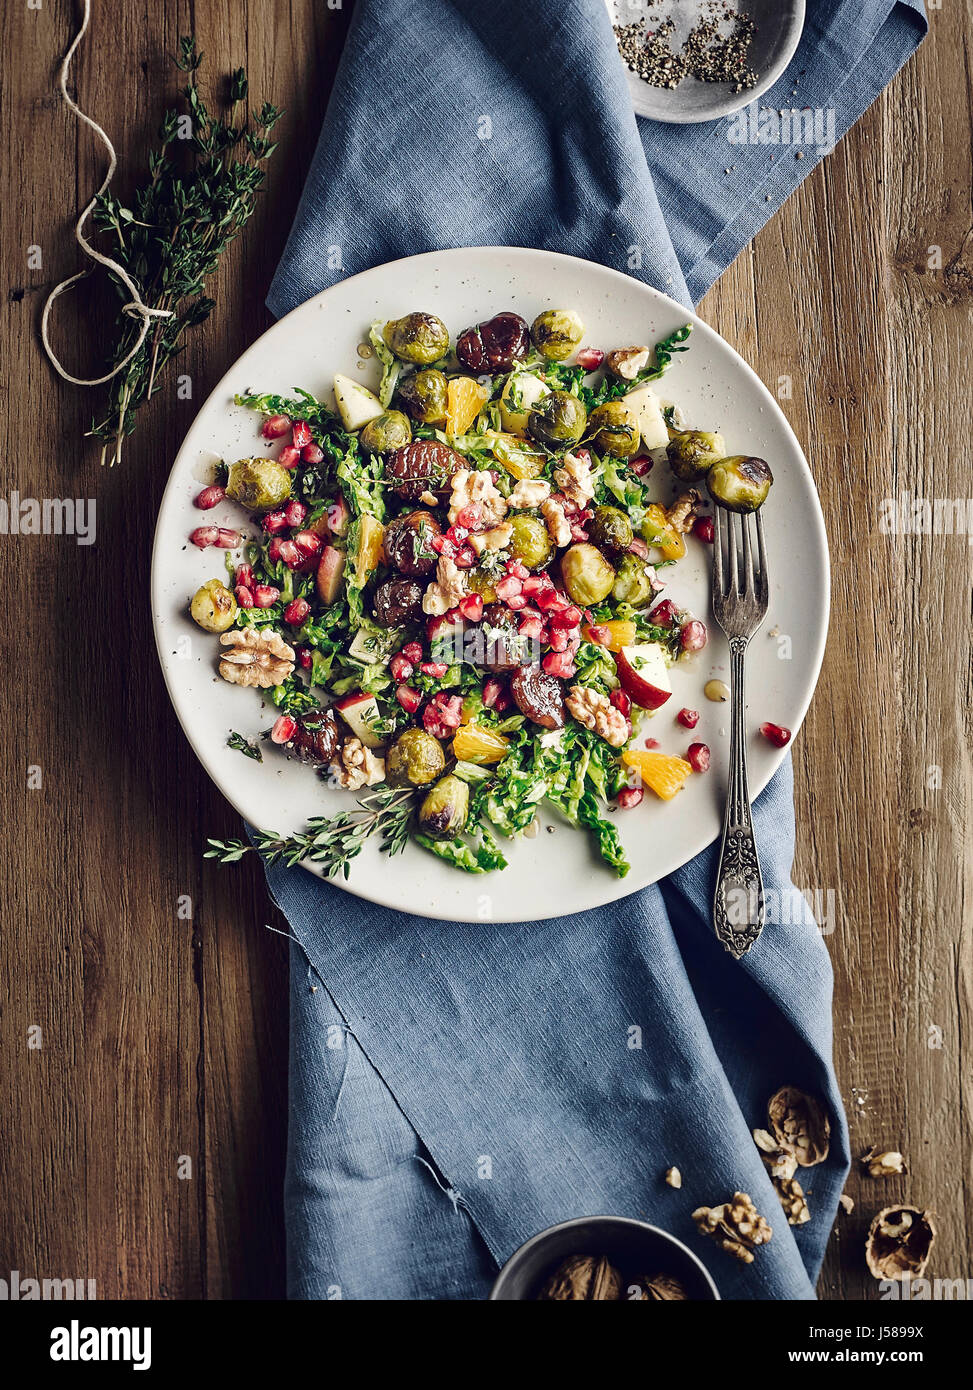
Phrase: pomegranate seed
[437,669]
[694,636]
[697,757]
[469,516]
[312,453]
[558,639]
[688,718]
[466,558]
[228,540]
[665,614]
[289,553]
[492,690]
[439,544]
[244,575]
[204,536]
[289,457]
[296,612]
[536,585]
[508,586]
[412,651]
[516,602]
[552,602]
[307,542]
[452,710]
[590,359]
[520,571]
[471,607]
[776,734]
[567,617]
[209,497]
[301,435]
[652,743]
[273,550]
[408,698]
[305,657]
[295,512]
[275,426]
[630,796]
[705,528]
[599,635]
[639,548]
[274,522]
[640,465]
[401,667]
[265,596]
[457,534]
[284,729]
[244,597]
[503,702]
[574,639]
[530,627]
[559,664]
[622,702]
[568,507]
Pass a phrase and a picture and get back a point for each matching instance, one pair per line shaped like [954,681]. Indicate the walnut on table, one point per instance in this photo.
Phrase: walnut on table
[255,656]
[595,711]
[736,1226]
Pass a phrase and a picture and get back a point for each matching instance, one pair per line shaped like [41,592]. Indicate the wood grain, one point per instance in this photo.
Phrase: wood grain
[165,1039]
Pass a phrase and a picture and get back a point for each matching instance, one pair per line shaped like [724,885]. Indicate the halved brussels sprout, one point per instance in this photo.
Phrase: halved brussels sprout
[587,575]
[556,333]
[444,808]
[615,430]
[529,541]
[213,607]
[414,759]
[610,529]
[258,484]
[633,582]
[692,453]
[390,431]
[739,483]
[520,459]
[518,398]
[424,396]
[420,338]
[557,420]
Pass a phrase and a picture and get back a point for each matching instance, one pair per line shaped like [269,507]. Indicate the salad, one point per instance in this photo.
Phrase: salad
[454,599]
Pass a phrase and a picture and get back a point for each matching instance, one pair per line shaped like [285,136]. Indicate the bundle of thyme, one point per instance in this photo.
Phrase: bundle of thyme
[201,190]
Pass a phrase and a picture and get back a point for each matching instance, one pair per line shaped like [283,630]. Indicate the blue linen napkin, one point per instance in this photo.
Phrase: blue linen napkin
[455,1088]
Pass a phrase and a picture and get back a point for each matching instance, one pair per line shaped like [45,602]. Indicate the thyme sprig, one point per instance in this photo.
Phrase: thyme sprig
[199,195]
[332,842]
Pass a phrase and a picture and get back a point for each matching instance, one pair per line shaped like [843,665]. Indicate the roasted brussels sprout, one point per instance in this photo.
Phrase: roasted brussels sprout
[633,582]
[424,397]
[481,581]
[398,601]
[419,338]
[692,453]
[258,484]
[495,345]
[556,333]
[407,543]
[414,759]
[739,483]
[557,420]
[610,529]
[390,431]
[213,606]
[587,575]
[614,430]
[529,541]
[520,459]
[444,808]
[425,465]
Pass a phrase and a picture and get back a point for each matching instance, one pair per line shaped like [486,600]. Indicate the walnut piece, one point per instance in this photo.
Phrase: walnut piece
[780,1161]
[674,1177]
[471,485]
[495,539]
[255,656]
[799,1122]
[793,1200]
[575,480]
[682,514]
[595,711]
[587,1277]
[883,1165]
[558,526]
[357,766]
[529,492]
[430,498]
[736,1226]
[627,362]
[846,1203]
[446,589]
[899,1243]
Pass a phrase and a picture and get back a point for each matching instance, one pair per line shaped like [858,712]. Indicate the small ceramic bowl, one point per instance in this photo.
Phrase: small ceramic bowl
[779,24]
[634,1247]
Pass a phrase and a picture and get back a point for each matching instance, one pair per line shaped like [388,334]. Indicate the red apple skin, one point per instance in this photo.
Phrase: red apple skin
[349,701]
[331,567]
[641,691]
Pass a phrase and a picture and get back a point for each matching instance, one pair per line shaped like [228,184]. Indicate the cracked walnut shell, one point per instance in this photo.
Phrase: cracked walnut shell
[658,1288]
[583,1277]
[736,1226]
[255,656]
[899,1242]
[800,1123]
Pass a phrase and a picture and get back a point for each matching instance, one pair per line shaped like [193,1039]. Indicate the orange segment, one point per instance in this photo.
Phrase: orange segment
[657,531]
[615,635]
[465,398]
[368,553]
[661,773]
[475,745]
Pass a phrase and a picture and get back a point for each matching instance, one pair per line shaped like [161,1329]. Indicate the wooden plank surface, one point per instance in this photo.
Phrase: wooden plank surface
[162,1040]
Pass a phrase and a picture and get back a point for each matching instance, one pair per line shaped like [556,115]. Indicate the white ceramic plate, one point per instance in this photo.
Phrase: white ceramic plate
[555,873]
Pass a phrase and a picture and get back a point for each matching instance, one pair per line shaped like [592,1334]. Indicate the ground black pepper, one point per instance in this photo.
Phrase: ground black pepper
[716,49]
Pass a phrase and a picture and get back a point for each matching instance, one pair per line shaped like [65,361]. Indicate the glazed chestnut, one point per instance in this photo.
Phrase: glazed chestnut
[407,543]
[539,696]
[316,738]
[503,647]
[495,345]
[425,465]
[398,601]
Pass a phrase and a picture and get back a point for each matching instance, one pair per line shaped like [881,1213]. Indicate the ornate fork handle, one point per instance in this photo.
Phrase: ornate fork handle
[738,906]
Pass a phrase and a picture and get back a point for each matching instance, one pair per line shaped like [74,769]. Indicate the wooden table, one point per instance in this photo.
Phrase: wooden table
[163,1039]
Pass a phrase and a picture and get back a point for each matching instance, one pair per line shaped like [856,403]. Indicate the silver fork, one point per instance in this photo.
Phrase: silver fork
[740,594]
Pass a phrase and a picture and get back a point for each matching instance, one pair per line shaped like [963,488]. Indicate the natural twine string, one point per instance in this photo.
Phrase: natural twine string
[135,307]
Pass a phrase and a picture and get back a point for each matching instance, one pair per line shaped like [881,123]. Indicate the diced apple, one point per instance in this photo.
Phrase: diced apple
[356,404]
[331,567]
[360,713]
[646,407]
[644,675]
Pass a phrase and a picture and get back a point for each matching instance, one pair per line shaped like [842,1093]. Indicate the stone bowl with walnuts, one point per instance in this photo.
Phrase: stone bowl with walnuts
[603,1258]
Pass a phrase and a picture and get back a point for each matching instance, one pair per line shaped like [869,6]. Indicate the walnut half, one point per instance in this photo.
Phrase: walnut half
[899,1243]
[255,656]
